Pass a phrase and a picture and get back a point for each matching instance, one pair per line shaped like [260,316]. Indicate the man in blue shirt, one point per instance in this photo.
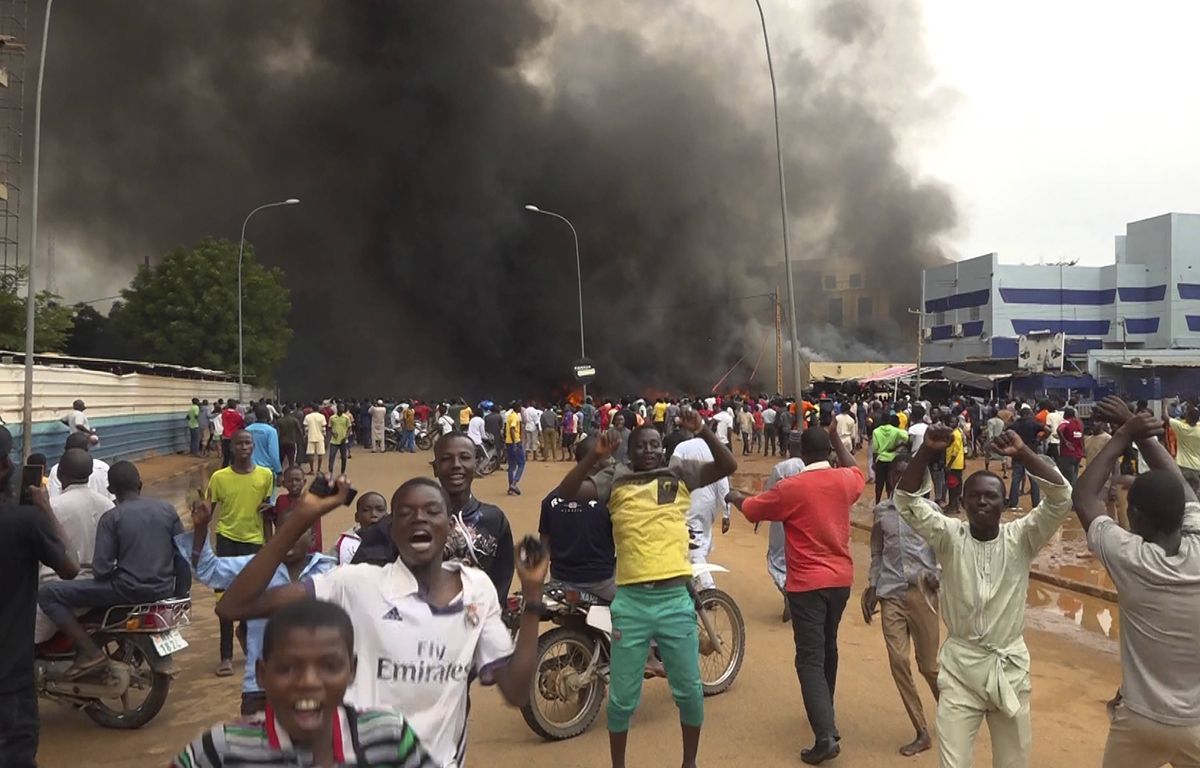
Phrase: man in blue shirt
[219,572]
[266,441]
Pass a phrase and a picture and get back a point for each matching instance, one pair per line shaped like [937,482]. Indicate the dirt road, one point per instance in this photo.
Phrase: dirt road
[760,720]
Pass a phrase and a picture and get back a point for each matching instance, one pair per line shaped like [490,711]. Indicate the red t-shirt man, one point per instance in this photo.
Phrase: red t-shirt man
[814,507]
[1070,433]
[231,421]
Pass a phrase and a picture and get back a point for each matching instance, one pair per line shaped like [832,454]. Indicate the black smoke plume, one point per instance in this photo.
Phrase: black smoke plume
[414,133]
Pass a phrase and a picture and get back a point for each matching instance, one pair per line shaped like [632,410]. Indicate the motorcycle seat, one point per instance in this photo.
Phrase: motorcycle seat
[566,593]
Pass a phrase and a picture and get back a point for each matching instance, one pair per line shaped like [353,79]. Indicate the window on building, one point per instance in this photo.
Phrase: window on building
[974,313]
[830,282]
[835,312]
[856,280]
[864,309]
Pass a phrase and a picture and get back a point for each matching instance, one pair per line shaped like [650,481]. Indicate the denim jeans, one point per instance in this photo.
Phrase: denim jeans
[19,728]
[1018,479]
[815,618]
[338,450]
[410,441]
[194,440]
[516,463]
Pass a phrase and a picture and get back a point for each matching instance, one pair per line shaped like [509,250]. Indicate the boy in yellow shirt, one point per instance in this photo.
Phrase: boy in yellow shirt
[956,462]
[648,501]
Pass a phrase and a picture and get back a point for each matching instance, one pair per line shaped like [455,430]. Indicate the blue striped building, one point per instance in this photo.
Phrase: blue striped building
[1148,299]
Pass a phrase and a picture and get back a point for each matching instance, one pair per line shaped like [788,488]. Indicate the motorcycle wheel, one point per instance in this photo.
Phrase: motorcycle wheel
[559,649]
[425,442]
[486,467]
[118,713]
[719,670]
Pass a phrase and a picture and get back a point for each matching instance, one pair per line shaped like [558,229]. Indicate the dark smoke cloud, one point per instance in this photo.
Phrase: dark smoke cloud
[414,132]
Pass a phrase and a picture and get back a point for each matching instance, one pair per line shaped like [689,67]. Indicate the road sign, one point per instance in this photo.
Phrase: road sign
[584,370]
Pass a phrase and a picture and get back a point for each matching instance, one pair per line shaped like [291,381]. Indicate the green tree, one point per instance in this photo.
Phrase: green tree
[184,311]
[52,321]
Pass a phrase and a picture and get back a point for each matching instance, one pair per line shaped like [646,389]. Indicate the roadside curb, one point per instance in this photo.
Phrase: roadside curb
[1061,582]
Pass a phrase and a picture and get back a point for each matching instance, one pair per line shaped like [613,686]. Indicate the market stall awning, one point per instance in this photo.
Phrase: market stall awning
[973,380]
[895,372]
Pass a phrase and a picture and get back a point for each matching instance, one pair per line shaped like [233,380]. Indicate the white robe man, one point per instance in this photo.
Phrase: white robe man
[985,579]
[706,503]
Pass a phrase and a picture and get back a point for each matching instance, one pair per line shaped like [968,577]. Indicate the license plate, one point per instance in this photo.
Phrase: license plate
[168,642]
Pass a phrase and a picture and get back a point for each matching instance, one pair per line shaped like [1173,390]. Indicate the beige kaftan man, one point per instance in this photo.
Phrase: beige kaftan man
[984,661]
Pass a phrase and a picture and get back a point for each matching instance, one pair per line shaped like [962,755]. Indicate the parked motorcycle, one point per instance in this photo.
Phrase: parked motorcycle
[487,458]
[573,658]
[132,687]
[425,437]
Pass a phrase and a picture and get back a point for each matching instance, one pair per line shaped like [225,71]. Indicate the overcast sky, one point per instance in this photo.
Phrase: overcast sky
[1070,119]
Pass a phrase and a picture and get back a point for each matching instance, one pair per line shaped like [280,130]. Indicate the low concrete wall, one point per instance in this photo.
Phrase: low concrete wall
[136,414]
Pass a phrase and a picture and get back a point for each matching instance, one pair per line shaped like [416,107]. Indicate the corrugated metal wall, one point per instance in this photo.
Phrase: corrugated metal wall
[137,415]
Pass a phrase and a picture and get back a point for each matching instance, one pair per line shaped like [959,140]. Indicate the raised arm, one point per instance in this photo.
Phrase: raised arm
[1048,516]
[577,485]
[922,514]
[1088,496]
[248,596]
[723,463]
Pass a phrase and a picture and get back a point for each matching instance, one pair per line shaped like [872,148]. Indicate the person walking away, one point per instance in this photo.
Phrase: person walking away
[493,424]
[193,424]
[339,437]
[745,428]
[514,446]
[1187,437]
[30,537]
[477,431]
[771,430]
[464,415]
[659,415]
[78,510]
[238,493]
[415,612]
[724,429]
[886,440]
[266,441]
[784,424]
[568,438]
[1031,432]
[550,425]
[985,580]
[377,413]
[531,420]
[814,507]
[314,431]
[956,462]
[704,506]
[445,422]
[1155,717]
[757,443]
[1070,445]
[408,428]
[648,503]
[291,437]
[1054,417]
[218,429]
[231,421]
[133,562]
[847,430]
[902,577]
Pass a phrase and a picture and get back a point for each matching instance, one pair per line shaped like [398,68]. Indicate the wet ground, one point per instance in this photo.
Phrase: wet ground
[759,721]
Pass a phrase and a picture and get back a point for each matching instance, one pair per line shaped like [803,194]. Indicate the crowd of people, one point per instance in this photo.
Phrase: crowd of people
[414,589]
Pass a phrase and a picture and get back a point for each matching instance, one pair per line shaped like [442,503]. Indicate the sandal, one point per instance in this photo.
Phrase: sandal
[77,670]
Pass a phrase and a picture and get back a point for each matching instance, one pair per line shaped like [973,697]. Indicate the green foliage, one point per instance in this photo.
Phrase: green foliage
[52,321]
[184,311]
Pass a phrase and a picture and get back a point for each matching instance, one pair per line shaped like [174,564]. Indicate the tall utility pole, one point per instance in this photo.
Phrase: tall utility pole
[799,373]
[778,347]
[920,342]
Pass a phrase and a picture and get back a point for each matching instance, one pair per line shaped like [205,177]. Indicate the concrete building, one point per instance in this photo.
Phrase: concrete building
[1149,299]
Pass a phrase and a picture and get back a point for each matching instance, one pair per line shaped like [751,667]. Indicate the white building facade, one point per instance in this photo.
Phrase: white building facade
[1148,299]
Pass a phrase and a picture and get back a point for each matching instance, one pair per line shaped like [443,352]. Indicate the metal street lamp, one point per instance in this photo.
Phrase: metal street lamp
[799,374]
[578,276]
[30,296]
[241,248]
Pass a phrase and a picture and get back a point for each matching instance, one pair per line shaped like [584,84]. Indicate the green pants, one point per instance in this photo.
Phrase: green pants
[667,616]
